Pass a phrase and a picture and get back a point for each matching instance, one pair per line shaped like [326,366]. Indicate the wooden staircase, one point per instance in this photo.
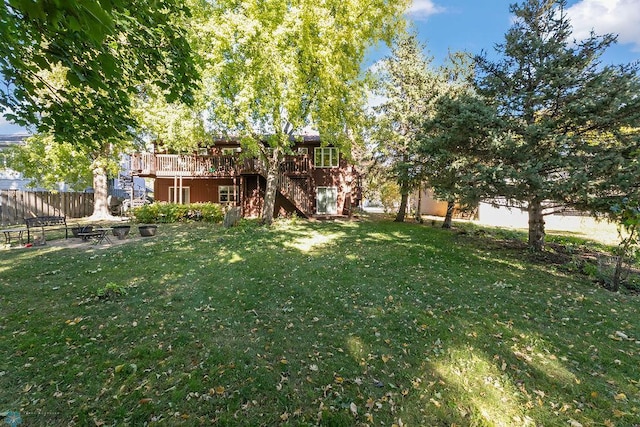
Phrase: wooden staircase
[295,191]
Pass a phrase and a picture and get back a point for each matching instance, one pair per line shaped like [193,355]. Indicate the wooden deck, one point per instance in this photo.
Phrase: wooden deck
[172,165]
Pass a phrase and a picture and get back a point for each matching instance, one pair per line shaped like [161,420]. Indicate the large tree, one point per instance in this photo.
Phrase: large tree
[448,139]
[273,68]
[550,93]
[70,69]
[409,87]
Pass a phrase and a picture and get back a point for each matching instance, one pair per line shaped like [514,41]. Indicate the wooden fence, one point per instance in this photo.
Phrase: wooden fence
[16,205]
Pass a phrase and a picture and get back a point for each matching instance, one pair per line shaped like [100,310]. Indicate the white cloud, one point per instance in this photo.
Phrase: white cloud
[422,9]
[8,128]
[620,17]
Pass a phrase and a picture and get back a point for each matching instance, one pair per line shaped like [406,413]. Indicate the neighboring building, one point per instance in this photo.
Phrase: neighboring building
[316,181]
[429,205]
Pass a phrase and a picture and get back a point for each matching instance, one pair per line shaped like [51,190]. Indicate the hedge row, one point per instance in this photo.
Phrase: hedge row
[160,212]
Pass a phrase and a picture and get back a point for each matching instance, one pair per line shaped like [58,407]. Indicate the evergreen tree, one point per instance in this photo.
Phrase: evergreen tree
[551,94]
[409,88]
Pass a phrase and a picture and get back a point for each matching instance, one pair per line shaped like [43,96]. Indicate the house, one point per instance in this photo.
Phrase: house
[315,181]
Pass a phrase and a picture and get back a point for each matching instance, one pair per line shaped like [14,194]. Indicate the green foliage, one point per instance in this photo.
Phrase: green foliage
[270,69]
[111,291]
[389,193]
[174,212]
[48,162]
[552,111]
[70,68]
[446,142]
[409,87]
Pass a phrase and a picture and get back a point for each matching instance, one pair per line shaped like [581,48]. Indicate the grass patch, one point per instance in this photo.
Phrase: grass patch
[306,323]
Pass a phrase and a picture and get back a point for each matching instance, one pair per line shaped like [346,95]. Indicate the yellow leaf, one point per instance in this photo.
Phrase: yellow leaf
[609,423]
[220,389]
[119,368]
[594,394]
[370,403]
[339,380]
[620,396]
[385,358]
[285,416]
[618,413]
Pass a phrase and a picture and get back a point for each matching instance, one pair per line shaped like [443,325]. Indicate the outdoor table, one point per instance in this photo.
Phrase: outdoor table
[98,235]
[16,232]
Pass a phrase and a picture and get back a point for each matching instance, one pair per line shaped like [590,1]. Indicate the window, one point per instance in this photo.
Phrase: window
[303,151]
[174,196]
[327,200]
[230,151]
[325,157]
[227,193]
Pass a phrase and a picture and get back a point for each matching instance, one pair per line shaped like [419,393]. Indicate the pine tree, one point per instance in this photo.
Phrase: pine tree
[552,95]
[409,87]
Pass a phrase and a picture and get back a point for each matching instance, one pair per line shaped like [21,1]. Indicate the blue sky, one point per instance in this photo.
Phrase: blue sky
[476,25]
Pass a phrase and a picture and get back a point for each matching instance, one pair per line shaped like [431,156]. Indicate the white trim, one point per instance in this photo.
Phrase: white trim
[321,154]
[231,196]
[186,195]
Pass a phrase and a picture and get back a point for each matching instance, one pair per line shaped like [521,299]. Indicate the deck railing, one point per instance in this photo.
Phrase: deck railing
[214,166]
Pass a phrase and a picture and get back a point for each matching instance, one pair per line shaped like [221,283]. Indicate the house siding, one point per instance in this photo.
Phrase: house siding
[297,194]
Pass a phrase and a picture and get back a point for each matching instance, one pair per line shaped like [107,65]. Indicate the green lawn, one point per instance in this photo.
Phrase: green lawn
[337,324]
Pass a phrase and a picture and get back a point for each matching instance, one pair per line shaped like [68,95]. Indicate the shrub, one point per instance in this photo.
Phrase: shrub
[174,212]
[111,291]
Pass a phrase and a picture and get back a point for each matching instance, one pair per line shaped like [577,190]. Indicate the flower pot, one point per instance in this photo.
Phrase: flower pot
[147,230]
[85,229]
[120,231]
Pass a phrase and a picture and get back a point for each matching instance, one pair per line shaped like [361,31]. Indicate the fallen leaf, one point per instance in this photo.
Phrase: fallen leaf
[354,409]
[620,396]
[622,335]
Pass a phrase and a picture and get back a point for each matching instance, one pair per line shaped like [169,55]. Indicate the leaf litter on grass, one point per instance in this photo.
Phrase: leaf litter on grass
[417,327]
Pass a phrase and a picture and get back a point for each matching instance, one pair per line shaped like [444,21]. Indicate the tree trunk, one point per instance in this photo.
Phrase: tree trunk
[536,226]
[273,165]
[419,205]
[617,273]
[623,251]
[448,218]
[100,192]
[404,198]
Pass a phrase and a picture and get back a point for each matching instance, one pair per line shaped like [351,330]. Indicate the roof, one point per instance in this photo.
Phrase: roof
[9,140]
